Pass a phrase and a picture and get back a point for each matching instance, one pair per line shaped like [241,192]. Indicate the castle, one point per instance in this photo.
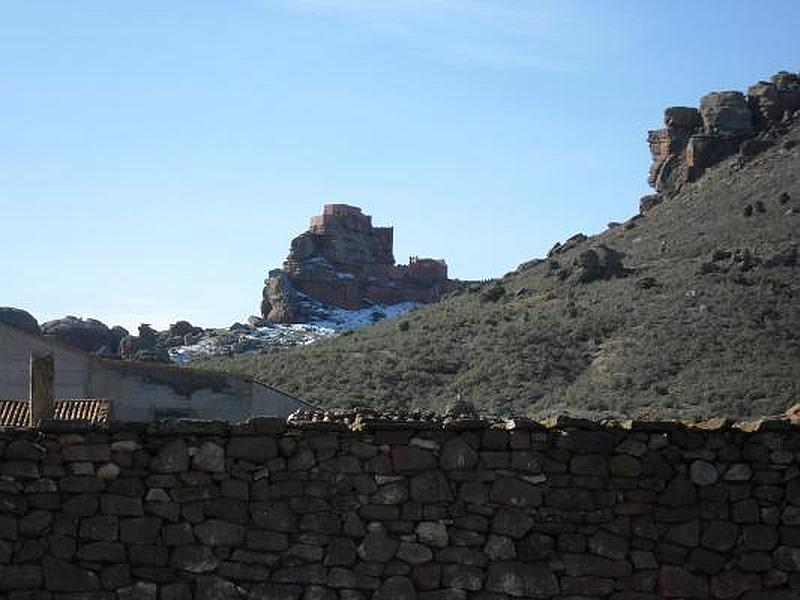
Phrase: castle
[345,261]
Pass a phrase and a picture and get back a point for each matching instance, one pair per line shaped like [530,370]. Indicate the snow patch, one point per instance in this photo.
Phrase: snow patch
[326,321]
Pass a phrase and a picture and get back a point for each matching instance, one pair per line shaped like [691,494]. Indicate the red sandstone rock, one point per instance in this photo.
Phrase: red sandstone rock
[693,140]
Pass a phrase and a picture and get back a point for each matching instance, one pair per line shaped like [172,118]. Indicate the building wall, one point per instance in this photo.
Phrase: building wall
[420,511]
[72,368]
[139,392]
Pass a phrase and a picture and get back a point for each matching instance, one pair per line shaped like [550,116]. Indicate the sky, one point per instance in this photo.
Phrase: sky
[157,158]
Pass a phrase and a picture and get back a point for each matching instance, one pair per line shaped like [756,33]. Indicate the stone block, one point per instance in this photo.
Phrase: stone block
[35,523]
[114,504]
[414,553]
[20,577]
[100,528]
[457,454]
[677,582]
[266,541]
[211,587]
[433,534]
[396,588]
[340,552]
[411,458]
[172,457]
[102,552]
[141,530]
[193,558]
[86,452]
[209,457]
[215,532]
[301,574]
[242,572]
[377,547]
[522,580]
[144,555]
[430,487]
[253,448]
[81,505]
[141,590]
[516,492]
[9,529]
[274,516]
[60,576]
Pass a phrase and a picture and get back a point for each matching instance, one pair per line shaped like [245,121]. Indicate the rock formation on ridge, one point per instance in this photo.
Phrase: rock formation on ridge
[726,123]
[344,261]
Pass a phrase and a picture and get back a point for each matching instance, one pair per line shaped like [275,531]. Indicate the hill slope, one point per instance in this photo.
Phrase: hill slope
[690,310]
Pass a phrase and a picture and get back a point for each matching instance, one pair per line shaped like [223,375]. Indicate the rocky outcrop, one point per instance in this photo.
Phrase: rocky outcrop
[183,342]
[726,123]
[148,346]
[90,335]
[19,319]
[344,261]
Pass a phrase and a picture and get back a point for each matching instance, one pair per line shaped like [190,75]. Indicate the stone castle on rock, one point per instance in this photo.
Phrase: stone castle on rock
[344,261]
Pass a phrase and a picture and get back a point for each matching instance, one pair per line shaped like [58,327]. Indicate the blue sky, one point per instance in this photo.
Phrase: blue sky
[156,158]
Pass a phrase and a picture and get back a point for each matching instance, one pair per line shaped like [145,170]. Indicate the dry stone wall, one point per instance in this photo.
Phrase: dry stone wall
[401,511]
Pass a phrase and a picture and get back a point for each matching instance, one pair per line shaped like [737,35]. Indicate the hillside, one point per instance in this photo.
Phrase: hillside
[692,309]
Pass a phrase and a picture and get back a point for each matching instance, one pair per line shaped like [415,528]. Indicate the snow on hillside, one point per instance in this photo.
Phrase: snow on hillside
[341,319]
[326,322]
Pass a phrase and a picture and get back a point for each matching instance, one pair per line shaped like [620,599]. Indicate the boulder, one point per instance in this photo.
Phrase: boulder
[597,264]
[19,319]
[649,202]
[726,113]
[180,329]
[279,303]
[143,348]
[90,335]
[771,101]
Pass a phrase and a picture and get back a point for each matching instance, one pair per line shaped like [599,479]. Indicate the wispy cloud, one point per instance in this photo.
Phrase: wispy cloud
[528,34]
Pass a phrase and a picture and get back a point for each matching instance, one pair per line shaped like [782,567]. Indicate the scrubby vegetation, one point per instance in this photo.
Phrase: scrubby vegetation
[703,319]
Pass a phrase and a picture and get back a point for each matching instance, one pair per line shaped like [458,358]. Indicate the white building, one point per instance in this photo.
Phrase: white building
[138,391]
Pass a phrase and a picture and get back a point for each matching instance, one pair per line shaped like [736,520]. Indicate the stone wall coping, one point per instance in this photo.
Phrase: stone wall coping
[358,422]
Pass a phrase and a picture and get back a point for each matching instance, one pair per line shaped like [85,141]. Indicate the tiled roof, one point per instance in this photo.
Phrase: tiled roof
[16,413]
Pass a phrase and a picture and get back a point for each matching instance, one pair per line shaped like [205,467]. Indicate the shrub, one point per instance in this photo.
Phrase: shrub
[493,293]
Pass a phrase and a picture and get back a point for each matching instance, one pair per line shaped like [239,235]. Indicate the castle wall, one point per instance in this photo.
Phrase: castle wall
[424,510]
